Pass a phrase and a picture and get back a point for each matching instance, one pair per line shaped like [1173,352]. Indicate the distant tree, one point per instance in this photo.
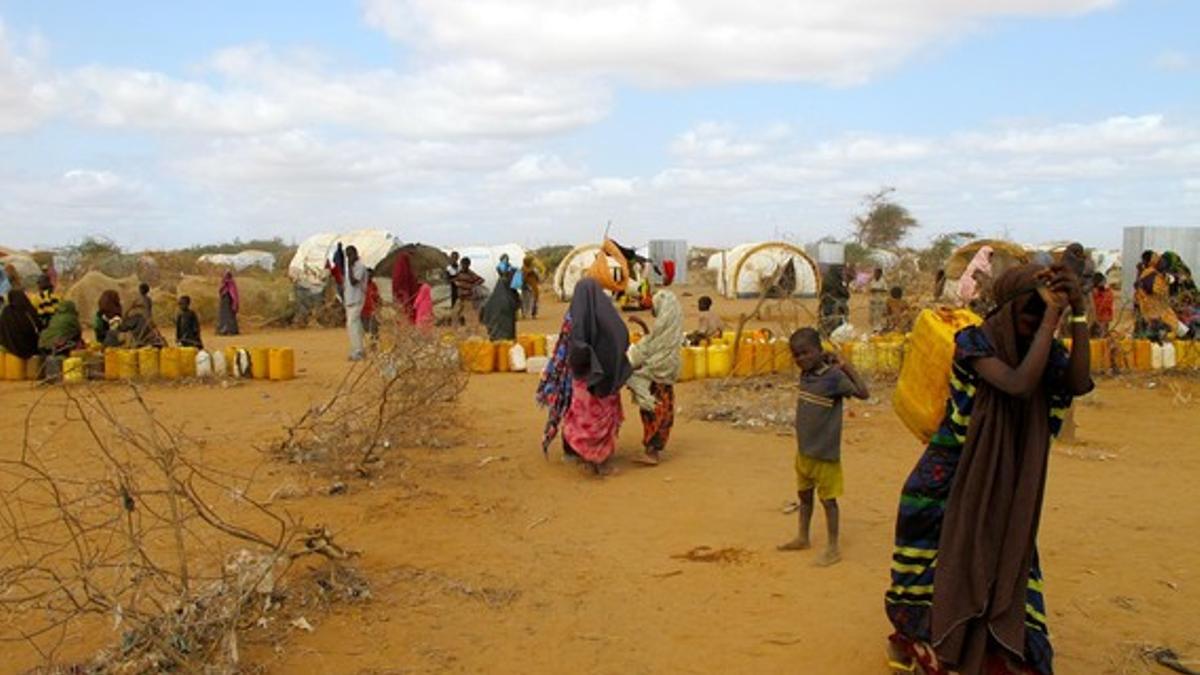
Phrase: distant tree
[885,223]
[941,248]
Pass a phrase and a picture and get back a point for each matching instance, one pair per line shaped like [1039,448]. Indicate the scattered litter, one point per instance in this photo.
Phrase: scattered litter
[303,624]
[708,554]
[537,523]
[338,488]
[1167,658]
[791,507]
[489,459]
[667,575]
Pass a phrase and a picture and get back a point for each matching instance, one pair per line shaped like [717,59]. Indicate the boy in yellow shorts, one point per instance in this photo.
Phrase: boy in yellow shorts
[824,381]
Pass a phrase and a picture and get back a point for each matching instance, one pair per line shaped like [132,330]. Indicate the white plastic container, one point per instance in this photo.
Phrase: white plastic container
[1156,356]
[219,367]
[204,367]
[1168,355]
[516,359]
[536,364]
[241,364]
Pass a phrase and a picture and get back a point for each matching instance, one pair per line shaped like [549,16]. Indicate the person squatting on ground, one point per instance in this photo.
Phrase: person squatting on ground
[824,382]
[187,325]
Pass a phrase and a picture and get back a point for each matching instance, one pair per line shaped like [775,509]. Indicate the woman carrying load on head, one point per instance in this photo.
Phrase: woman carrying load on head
[966,581]
[656,363]
[581,386]
[976,279]
[63,333]
[229,304]
[405,287]
[19,325]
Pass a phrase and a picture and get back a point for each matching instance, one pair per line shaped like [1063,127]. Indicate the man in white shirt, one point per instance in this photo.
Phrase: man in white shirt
[354,294]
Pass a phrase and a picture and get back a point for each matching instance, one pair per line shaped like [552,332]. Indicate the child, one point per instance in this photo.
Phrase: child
[897,312]
[187,325]
[711,325]
[824,381]
[1102,301]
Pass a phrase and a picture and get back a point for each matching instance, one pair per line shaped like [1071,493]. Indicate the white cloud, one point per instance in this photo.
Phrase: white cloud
[28,94]
[1175,61]
[1111,133]
[711,142]
[538,168]
[699,41]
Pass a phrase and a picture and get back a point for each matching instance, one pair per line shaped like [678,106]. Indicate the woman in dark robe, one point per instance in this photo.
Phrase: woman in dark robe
[228,307]
[966,581]
[499,313]
[19,325]
[405,287]
[835,299]
[107,322]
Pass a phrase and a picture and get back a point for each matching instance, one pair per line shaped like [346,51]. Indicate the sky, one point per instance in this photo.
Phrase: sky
[452,122]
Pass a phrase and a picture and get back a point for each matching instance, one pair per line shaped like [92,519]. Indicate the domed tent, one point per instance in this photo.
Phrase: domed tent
[241,261]
[1005,254]
[572,268]
[307,268]
[485,258]
[744,271]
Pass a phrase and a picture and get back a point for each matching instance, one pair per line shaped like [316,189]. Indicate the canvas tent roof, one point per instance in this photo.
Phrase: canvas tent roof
[25,266]
[745,269]
[485,258]
[1005,255]
[571,269]
[428,263]
[308,265]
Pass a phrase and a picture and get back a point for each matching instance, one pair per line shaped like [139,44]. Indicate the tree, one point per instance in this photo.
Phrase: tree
[885,222]
[941,248]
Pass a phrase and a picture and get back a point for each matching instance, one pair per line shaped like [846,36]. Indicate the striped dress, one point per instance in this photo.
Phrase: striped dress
[909,600]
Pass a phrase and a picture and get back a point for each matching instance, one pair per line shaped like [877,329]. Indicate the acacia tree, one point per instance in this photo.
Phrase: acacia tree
[885,223]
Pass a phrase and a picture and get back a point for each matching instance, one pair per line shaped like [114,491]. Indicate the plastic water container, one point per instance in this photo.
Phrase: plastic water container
[111,368]
[699,357]
[33,368]
[1101,358]
[501,348]
[743,360]
[781,357]
[1169,359]
[720,360]
[240,365]
[1156,356]
[53,369]
[220,367]
[168,363]
[203,364]
[1143,355]
[516,358]
[477,356]
[72,370]
[764,358]
[260,363]
[526,342]
[149,363]
[14,368]
[924,385]
[127,364]
[687,364]
[539,345]
[282,364]
[1187,354]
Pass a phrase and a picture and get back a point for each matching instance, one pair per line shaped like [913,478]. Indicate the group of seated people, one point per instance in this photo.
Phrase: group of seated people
[43,323]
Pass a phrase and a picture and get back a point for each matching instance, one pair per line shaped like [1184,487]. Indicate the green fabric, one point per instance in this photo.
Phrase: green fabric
[656,357]
[63,327]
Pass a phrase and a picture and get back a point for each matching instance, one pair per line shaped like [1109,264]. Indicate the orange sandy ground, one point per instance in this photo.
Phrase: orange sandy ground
[597,586]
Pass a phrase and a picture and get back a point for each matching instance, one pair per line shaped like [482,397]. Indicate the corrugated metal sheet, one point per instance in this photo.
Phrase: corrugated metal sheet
[1183,240]
[671,249]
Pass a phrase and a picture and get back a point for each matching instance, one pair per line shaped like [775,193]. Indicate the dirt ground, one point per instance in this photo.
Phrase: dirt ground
[486,557]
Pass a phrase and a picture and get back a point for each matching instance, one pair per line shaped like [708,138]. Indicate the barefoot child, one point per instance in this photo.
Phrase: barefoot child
[824,382]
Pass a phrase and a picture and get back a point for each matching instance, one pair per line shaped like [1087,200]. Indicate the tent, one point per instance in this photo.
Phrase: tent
[485,258]
[243,260]
[429,263]
[25,266]
[307,268]
[744,270]
[1005,255]
[572,268]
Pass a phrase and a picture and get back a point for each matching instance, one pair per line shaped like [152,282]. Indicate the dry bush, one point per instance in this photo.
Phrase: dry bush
[110,522]
[402,395]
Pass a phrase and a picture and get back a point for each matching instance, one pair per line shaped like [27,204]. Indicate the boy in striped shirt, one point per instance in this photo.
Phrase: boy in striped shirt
[824,381]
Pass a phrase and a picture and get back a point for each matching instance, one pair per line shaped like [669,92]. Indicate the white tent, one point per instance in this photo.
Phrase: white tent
[243,260]
[744,270]
[307,268]
[484,259]
[572,268]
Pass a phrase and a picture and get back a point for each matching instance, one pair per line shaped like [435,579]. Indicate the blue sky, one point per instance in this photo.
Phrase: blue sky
[537,121]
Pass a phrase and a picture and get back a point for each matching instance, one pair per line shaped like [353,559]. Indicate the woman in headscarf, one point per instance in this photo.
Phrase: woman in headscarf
[976,277]
[499,313]
[229,303]
[656,363]
[966,582]
[64,332]
[137,323]
[423,307]
[1154,299]
[19,325]
[405,287]
[582,382]
[835,299]
[107,321]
